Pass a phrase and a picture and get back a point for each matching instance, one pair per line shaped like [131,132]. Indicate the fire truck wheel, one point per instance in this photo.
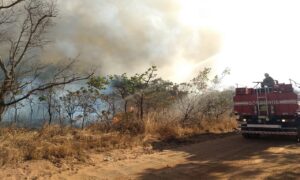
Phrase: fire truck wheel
[246,136]
[250,136]
[298,137]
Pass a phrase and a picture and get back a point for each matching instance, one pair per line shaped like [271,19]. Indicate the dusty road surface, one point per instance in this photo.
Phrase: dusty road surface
[229,157]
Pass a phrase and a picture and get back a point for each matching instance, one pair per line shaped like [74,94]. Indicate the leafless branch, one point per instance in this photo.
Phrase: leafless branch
[2,6]
[3,68]
[45,87]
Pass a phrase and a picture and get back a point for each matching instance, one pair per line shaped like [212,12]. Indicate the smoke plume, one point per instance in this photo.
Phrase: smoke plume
[116,36]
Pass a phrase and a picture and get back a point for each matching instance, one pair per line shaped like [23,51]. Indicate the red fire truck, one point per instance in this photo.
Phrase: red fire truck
[268,111]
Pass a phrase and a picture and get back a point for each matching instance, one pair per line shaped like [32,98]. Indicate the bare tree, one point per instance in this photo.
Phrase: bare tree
[52,103]
[24,25]
[59,110]
[9,4]
[87,100]
[216,103]
[31,103]
[202,99]
[187,102]
[6,12]
[71,104]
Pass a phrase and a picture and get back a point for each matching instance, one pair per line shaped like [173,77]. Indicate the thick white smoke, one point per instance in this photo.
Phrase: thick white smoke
[117,36]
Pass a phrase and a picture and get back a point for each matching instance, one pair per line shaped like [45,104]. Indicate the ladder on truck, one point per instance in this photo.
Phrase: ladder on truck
[262,100]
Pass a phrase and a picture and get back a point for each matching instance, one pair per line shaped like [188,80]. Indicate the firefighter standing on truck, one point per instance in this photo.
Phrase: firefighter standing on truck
[268,81]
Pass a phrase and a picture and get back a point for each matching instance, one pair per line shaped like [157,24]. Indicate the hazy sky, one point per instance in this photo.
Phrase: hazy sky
[250,37]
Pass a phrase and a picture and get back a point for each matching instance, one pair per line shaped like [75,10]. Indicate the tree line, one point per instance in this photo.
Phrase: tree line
[24,26]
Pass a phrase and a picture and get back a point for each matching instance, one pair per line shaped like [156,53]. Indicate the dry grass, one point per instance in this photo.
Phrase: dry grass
[55,143]
[174,129]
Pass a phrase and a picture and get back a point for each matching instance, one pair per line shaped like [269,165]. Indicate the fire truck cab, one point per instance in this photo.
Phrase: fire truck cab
[268,111]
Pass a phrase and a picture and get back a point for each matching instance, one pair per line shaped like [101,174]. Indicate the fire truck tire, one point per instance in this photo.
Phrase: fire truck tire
[250,136]
[246,136]
[298,137]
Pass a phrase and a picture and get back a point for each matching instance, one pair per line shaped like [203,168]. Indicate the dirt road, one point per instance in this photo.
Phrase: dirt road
[230,157]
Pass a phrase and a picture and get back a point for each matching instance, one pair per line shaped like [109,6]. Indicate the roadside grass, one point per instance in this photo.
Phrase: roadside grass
[57,144]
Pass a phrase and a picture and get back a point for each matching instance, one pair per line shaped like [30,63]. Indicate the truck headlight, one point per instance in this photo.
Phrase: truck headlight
[283,120]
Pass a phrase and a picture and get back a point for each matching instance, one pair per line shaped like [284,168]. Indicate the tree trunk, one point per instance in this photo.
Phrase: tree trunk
[50,114]
[2,112]
[44,118]
[2,106]
[71,120]
[125,106]
[2,101]
[142,107]
[16,113]
[82,125]
[60,119]
[31,113]
[114,109]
